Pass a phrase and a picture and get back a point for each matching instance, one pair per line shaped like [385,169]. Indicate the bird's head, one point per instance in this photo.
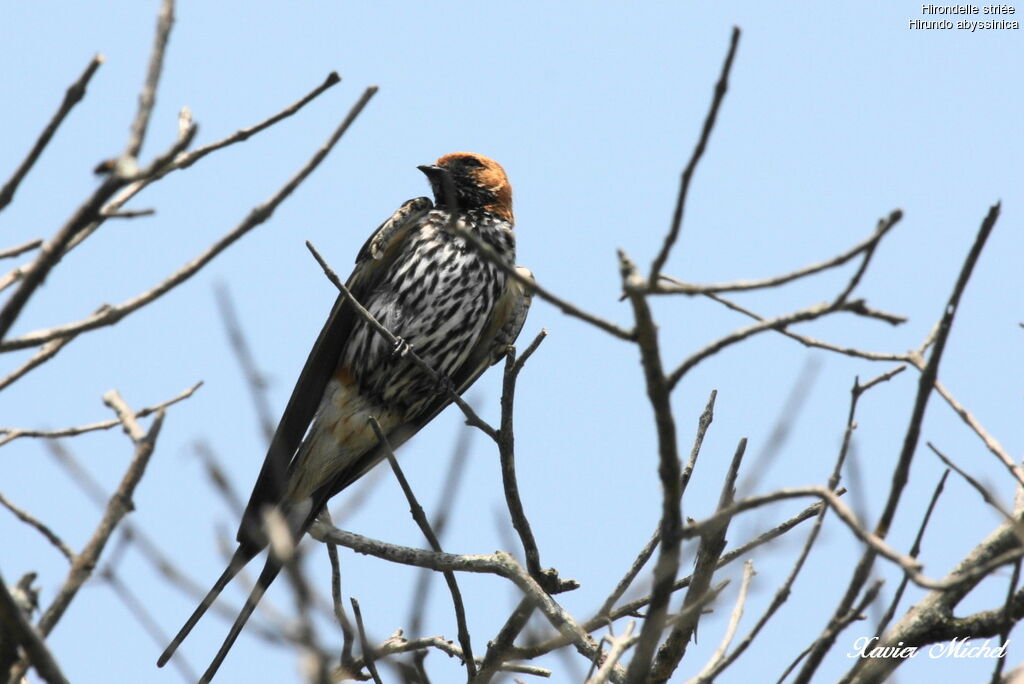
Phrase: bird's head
[473,180]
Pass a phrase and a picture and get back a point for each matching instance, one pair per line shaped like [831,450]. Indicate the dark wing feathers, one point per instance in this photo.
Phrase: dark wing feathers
[376,253]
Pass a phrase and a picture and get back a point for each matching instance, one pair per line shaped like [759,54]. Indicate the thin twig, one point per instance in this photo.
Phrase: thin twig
[421,520]
[11,434]
[915,551]
[147,96]
[187,158]
[445,502]
[149,549]
[681,287]
[339,608]
[669,472]
[1004,636]
[498,647]
[218,477]
[39,526]
[131,213]
[842,623]
[143,616]
[506,448]
[703,423]
[901,471]
[777,323]
[254,379]
[632,607]
[258,215]
[498,563]
[20,249]
[784,590]
[619,647]
[709,552]
[42,355]
[684,185]
[714,662]
[810,341]
[368,656]
[986,495]
[397,643]
[118,506]
[74,94]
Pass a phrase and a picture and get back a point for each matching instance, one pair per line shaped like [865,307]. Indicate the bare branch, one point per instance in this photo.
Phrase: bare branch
[118,506]
[39,526]
[74,94]
[138,609]
[988,497]
[680,287]
[669,471]
[368,656]
[684,185]
[187,158]
[11,434]
[632,607]
[257,216]
[778,323]
[991,443]
[421,521]
[619,646]
[506,447]
[399,644]
[709,552]
[718,657]
[810,341]
[499,647]
[20,249]
[838,626]
[147,96]
[32,275]
[130,214]
[915,551]
[254,379]
[926,383]
[443,508]
[499,563]
[706,416]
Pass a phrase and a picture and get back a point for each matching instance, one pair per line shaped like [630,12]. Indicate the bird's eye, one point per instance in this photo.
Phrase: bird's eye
[472,162]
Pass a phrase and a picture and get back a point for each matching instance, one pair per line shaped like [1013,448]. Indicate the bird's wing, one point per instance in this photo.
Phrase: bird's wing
[372,261]
[500,331]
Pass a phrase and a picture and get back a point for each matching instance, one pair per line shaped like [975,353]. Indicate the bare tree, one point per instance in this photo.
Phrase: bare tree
[647,637]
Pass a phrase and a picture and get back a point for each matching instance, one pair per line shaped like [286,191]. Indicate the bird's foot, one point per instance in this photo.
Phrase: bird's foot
[401,349]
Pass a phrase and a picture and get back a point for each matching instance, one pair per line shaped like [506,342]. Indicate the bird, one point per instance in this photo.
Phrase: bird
[442,298]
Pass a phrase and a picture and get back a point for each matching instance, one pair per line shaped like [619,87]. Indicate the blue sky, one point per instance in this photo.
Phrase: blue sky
[837,113]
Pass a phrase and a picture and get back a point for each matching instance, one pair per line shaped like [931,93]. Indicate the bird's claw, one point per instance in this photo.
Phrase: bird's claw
[400,349]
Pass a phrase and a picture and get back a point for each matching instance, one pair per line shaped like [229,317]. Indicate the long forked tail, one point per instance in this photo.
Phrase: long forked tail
[242,555]
[270,571]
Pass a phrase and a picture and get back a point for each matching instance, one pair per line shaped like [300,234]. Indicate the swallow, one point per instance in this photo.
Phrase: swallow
[440,296]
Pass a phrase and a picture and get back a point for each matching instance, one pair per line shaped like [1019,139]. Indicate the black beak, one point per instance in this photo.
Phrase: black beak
[432,171]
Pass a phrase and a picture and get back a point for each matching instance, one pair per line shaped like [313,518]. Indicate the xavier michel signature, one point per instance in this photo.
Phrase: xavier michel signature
[957,648]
